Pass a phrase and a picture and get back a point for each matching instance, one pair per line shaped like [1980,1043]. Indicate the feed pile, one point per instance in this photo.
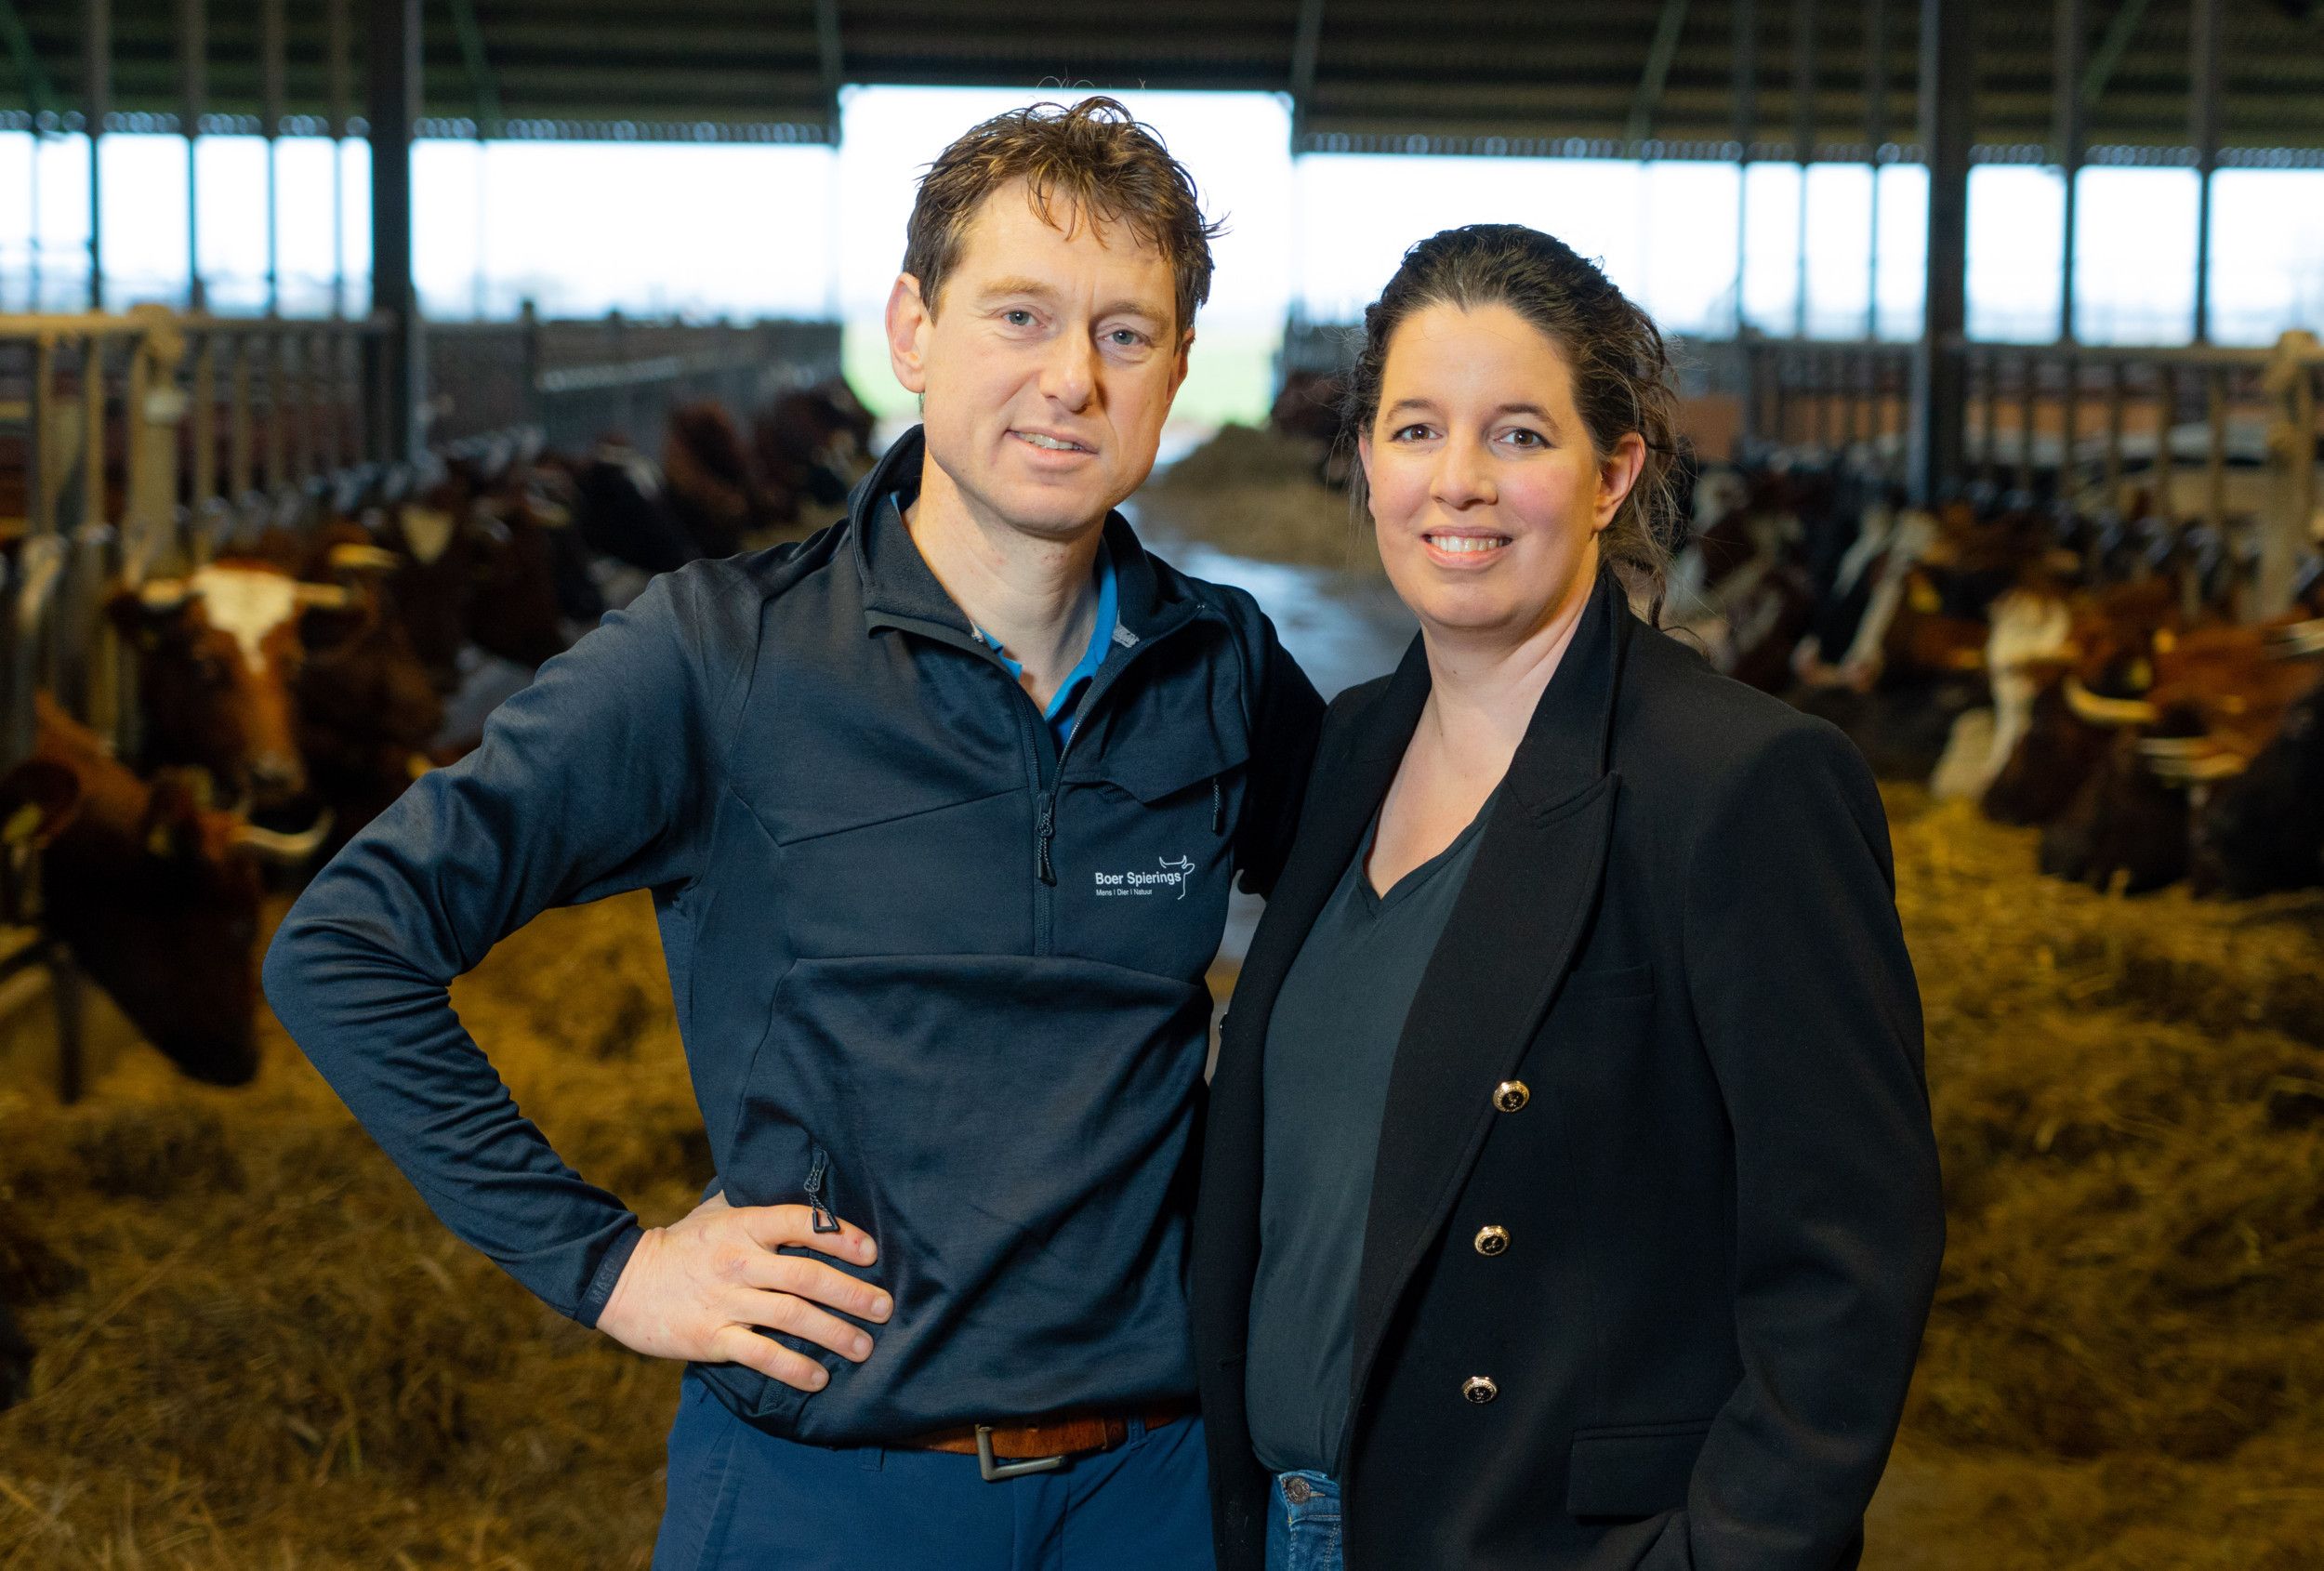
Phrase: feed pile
[259,1350]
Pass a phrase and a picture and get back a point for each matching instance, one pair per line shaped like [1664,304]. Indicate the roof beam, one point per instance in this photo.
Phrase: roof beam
[1875,75]
[273,66]
[97,92]
[2109,51]
[37,93]
[1660,55]
[338,54]
[1949,38]
[1803,99]
[833,60]
[2068,135]
[2204,131]
[1306,44]
[479,75]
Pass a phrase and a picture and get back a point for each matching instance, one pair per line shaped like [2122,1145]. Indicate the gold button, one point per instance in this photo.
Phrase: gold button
[1510,1095]
[1479,1390]
[1492,1240]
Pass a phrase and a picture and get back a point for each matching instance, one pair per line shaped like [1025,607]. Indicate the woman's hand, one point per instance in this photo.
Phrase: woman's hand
[700,1289]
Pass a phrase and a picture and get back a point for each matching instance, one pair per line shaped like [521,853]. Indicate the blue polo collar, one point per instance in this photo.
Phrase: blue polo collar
[1065,706]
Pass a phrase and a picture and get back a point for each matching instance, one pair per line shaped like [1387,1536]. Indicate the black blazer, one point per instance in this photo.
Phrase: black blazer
[1671,1044]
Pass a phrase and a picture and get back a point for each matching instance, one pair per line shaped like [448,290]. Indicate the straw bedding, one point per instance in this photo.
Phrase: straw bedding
[258,1350]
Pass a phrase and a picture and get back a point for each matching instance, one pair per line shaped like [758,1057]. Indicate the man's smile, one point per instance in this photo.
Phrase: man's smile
[1051,442]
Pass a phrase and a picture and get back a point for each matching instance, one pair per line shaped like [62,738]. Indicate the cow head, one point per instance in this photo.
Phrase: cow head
[156,893]
[712,491]
[812,444]
[432,588]
[2262,829]
[218,652]
[518,535]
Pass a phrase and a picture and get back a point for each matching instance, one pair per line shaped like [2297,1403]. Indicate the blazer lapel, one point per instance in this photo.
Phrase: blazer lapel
[1505,950]
[1346,791]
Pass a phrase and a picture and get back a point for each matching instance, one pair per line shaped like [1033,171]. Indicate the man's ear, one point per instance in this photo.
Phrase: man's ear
[909,321]
[1178,371]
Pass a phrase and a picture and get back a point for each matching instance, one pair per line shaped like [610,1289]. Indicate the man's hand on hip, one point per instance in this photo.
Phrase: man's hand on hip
[700,1289]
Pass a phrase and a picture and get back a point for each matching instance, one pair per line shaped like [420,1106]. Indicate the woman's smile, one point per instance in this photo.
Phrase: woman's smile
[1464,549]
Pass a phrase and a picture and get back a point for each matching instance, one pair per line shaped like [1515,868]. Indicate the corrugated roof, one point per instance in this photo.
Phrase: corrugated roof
[1385,72]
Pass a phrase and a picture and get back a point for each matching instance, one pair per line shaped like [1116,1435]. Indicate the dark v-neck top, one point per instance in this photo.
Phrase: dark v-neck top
[1331,1043]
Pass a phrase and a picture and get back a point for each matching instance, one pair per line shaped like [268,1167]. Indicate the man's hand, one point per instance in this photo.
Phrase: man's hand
[698,1289]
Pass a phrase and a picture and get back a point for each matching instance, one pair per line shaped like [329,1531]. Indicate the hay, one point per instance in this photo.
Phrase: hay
[2126,1359]
[278,1357]
[1253,493]
[259,1350]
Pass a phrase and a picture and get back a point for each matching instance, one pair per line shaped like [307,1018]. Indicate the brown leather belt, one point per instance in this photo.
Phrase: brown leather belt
[1008,1450]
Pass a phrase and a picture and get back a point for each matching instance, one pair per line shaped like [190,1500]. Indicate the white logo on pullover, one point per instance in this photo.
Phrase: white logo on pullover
[1171,875]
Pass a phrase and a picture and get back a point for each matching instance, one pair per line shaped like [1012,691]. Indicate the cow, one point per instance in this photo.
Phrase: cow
[2220,696]
[2074,692]
[368,708]
[526,584]
[810,444]
[431,585]
[154,893]
[622,509]
[1312,407]
[1739,590]
[2029,636]
[2124,821]
[711,489]
[541,503]
[2262,829]
[218,651]
[485,560]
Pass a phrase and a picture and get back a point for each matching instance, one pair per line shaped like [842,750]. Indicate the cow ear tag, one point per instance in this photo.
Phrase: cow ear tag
[22,824]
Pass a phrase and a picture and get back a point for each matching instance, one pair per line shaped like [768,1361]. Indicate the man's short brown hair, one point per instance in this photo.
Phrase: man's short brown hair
[1097,157]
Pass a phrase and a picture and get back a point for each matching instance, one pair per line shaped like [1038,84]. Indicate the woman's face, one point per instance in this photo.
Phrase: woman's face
[1485,490]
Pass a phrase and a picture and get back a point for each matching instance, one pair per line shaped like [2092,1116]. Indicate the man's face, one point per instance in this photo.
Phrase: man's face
[1048,368]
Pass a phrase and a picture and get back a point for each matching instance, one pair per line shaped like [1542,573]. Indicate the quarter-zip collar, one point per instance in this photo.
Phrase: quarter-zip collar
[900,591]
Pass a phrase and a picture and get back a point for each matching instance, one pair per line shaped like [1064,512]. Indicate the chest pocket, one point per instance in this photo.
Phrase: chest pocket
[1155,772]
[1144,850]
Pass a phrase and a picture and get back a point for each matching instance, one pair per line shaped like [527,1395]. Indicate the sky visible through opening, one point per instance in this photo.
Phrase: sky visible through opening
[751,230]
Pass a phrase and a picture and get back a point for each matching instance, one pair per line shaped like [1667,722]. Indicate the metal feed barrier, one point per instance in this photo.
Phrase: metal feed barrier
[152,440]
[2225,438]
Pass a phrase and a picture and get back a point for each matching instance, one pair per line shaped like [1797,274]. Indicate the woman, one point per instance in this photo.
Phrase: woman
[1570,1198]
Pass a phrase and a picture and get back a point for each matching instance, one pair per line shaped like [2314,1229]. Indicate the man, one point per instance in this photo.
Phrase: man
[939,809]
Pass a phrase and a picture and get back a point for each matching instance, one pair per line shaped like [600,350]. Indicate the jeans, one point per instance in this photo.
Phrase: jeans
[1303,1524]
[742,1499]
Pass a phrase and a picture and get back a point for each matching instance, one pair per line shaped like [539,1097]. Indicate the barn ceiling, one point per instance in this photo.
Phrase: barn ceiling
[1367,73]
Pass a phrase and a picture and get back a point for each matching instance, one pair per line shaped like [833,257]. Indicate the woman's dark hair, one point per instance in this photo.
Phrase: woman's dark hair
[1621,369]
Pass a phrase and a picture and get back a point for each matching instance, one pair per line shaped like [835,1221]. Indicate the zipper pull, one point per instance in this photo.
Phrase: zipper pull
[824,1221]
[1218,808]
[1042,833]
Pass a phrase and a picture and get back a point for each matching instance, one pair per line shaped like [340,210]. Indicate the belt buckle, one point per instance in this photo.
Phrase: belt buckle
[993,1470]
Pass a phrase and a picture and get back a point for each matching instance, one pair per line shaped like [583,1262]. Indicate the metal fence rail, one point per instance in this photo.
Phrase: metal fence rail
[130,442]
[2224,438]
[577,380]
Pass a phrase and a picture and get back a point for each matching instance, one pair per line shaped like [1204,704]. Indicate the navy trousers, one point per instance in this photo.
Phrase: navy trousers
[741,1500]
